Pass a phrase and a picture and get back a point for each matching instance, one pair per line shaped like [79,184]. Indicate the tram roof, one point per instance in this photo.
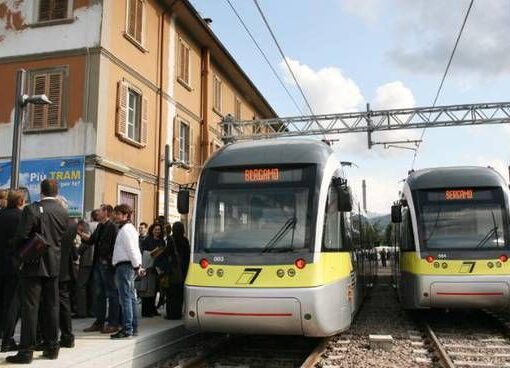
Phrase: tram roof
[272,151]
[458,176]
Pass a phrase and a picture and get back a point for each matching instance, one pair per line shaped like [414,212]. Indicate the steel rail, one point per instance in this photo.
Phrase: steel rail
[315,355]
[443,355]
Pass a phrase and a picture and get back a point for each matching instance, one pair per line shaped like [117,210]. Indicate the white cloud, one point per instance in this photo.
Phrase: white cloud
[329,90]
[426,30]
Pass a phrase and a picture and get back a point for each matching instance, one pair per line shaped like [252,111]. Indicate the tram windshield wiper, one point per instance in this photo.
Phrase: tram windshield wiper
[280,234]
[488,236]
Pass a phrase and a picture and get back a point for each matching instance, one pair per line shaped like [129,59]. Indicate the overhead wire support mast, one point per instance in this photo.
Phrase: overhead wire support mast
[368,121]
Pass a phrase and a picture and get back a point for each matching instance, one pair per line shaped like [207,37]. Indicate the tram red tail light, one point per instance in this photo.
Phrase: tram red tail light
[429,259]
[503,258]
[300,263]
[204,263]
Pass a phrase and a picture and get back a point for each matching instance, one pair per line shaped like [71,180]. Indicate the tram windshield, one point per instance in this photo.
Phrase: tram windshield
[463,219]
[260,211]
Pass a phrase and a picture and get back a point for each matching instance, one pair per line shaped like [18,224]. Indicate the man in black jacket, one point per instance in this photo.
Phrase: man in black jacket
[9,220]
[104,274]
[39,278]
[65,283]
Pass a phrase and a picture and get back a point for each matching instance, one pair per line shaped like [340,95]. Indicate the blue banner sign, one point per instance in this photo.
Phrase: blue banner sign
[68,171]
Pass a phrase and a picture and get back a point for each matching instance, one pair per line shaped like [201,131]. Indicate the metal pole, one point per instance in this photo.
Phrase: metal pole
[18,122]
[167,180]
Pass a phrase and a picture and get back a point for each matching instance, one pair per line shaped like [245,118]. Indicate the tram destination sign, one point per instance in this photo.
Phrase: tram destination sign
[459,195]
[260,175]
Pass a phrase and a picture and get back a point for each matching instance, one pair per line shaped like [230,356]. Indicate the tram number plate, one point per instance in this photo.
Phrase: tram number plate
[442,256]
[218,259]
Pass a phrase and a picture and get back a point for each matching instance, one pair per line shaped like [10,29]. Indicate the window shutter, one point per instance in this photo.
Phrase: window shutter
[176,140]
[144,122]
[181,60]
[131,18]
[122,96]
[44,10]
[139,19]
[39,112]
[192,147]
[55,96]
[60,9]
[186,64]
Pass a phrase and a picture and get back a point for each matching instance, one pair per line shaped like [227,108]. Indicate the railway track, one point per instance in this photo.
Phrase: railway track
[256,351]
[467,339]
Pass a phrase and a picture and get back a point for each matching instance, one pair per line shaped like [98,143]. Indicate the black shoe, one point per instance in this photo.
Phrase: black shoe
[135,332]
[23,357]
[121,335]
[51,354]
[67,341]
[39,346]
[9,345]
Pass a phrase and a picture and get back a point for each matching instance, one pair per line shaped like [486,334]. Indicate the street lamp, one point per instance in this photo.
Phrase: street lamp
[20,102]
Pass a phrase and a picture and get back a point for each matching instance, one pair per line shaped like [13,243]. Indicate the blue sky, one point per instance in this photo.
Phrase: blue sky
[390,53]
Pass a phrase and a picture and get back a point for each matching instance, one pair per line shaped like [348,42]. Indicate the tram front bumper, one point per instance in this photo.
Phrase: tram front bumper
[318,311]
[462,291]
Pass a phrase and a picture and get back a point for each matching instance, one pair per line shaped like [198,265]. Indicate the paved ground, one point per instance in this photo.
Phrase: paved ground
[99,351]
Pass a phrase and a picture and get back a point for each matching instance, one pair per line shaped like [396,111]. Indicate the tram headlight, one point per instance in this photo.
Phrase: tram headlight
[490,264]
[436,264]
[220,273]
[300,263]
[204,263]
[280,273]
[210,272]
[444,265]
[291,272]
[498,264]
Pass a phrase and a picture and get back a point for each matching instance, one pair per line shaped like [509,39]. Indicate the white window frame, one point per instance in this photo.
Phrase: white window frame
[69,17]
[135,191]
[183,148]
[138,115]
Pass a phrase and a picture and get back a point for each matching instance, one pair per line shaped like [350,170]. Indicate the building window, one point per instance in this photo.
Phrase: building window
[132,114]
[131,199]
[217,93]
[50,10]
[237,108]
[183,62]
[135,20]
[184,142]
[50,83]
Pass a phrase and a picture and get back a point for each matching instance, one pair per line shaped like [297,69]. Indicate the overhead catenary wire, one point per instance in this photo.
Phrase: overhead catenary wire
[443,78]
[283,55]
[264,55]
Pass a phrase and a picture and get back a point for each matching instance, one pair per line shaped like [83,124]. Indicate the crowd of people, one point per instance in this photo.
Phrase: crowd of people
[54,268]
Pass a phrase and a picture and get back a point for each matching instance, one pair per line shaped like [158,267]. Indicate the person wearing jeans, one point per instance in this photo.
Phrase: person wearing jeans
[103,239]
[127,261]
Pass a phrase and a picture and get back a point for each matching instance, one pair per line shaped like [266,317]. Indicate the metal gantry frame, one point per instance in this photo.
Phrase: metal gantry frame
[368,121]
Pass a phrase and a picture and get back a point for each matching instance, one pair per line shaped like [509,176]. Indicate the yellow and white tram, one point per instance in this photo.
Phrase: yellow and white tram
[273,246]
[452,239]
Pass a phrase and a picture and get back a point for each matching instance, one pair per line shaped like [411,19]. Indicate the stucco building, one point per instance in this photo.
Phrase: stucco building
[125,77]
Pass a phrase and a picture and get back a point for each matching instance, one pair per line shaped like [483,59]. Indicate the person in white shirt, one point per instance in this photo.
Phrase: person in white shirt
[127,261]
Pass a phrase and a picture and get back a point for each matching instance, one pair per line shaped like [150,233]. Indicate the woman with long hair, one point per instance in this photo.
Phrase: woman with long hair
[151,244]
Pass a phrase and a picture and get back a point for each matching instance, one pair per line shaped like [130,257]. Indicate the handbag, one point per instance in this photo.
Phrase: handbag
[36,246]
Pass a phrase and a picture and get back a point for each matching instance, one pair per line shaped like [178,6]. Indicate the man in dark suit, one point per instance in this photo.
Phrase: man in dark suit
[9,220]
[39,278]
[65,282]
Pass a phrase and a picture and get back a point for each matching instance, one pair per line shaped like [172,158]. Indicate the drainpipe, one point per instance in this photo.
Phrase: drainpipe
[204,103]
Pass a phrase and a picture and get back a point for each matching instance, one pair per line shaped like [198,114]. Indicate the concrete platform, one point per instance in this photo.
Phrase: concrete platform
[157,339]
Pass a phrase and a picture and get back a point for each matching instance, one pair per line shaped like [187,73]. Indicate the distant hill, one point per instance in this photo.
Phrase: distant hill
[381,220]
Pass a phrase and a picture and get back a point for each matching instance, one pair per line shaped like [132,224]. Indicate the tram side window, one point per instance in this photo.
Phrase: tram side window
[407,232]
[331,237]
